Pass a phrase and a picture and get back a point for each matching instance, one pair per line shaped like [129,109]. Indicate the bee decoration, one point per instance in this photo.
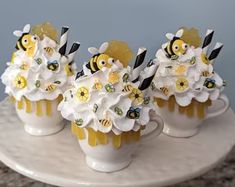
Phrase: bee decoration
[38,61]
[193,60]
[99,59]
[125,77]
[118,111]
[79,122]
[164,90]
[50,88]
[49,51]
[38,83]
[133,113]
[105,122]
[53,66]
[209,83]
[205,73]
[146,100]
[127,88]
[176,46]
[97,85]
[109,88]
[26,42]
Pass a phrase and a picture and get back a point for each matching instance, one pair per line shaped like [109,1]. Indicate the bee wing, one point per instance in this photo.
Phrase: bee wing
[137,109]
[179,33]
[18,33]
[164,45]
[170,36]
[103,47]
[26,28]
[93,50]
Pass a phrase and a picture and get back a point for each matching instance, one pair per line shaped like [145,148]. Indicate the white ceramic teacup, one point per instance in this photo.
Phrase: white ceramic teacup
[41,117]
[107,157]
[177,124]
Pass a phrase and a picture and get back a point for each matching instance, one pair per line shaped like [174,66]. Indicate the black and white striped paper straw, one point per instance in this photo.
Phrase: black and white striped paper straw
[215,52]
[73,51]
[149,76]
[207,40]
[63,40]
[138,66]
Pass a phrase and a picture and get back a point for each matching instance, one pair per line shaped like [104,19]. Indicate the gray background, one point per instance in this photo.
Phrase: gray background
[140,23]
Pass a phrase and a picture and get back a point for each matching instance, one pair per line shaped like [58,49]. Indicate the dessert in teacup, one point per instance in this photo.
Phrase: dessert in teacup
[37,75]
[108,108]
[185,83]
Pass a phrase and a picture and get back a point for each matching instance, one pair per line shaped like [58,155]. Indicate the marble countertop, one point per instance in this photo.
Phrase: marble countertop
[222,176]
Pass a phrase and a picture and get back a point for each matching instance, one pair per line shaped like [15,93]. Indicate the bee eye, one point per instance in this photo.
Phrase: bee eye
[111,60]
[185,46]
[25,41]
[34,38]
[176,47]
[102,63]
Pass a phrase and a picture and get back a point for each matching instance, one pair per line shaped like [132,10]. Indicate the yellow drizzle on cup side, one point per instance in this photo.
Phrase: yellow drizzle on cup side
[35,106]
[195,108]
[96,138]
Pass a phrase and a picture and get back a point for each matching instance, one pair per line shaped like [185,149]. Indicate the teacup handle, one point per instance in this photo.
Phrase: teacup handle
[154,133]
[221,110]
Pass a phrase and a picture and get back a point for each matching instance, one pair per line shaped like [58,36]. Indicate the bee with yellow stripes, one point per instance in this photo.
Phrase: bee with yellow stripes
[49,51]
[50,88]
[99,59]
[164,90]
[26,41]
[176,47]
[127,88]
[205,73]
[105,122]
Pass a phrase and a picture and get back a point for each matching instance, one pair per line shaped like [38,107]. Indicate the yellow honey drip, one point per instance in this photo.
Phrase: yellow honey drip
[80,133]
[126,137]
[38,108]
[99,138]
[200,110]
[92,141]
[20,104]
[136,136]
[181,109]
[48,108]
[171,104]
[102,138]
[160,102]
[73,128]
[190,109]
[28,105]
[117,141]
[59,98]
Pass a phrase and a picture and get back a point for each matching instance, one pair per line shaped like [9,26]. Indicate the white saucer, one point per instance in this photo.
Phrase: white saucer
[58,160]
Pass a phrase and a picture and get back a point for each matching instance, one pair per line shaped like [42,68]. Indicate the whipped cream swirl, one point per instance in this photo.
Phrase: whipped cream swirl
[190,76]
[106,101]
[41,76]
